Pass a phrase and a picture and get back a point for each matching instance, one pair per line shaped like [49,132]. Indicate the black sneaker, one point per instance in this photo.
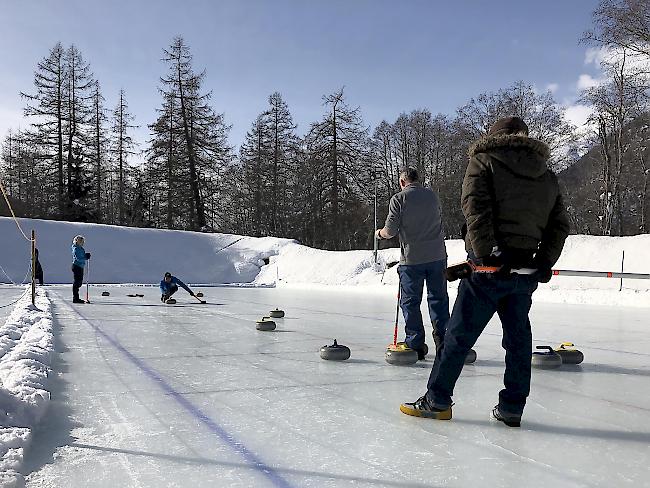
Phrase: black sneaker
[422,352]
[77,300]
[422,408]
[510,419]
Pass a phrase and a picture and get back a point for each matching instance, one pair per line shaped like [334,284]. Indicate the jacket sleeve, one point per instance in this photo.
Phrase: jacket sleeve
[476,202]
[394,217]
[554,235]
[182,285]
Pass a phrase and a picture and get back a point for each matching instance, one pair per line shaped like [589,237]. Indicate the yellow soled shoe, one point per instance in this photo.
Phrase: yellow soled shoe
[422,408]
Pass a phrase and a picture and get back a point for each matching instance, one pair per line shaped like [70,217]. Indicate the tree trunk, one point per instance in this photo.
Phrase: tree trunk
[170,193]
[194,179]
[335,182]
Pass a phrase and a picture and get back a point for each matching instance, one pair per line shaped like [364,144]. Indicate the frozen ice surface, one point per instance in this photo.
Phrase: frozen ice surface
[150,395]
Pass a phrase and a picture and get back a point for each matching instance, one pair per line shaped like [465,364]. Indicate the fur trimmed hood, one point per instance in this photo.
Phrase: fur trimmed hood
[522,154]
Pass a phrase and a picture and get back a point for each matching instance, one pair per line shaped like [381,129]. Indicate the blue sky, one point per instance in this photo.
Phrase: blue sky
[391,56]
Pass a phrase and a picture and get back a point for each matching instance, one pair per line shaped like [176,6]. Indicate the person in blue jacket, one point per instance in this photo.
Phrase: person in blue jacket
[169,285]
[79,258]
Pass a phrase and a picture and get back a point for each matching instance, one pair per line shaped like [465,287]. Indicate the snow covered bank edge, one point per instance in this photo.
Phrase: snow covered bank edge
[26,351]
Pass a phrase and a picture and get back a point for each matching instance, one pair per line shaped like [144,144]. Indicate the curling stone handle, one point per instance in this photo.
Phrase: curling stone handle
[548,348]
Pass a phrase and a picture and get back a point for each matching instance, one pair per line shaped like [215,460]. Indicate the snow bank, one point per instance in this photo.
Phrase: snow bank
[297,265]
[26,348]
[132,255]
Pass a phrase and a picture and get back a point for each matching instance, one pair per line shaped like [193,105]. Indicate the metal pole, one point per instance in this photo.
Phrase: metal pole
[600,274]
[33,267]
[375,240]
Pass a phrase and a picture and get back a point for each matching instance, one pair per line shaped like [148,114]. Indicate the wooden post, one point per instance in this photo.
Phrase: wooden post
[33,267]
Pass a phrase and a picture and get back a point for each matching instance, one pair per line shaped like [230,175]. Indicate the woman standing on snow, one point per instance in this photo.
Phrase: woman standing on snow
[79,257]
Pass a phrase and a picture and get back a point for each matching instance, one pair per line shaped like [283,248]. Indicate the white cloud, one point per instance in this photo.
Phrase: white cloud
[587,81]
[597,55]
[604,55]
[578,114]
[552,87]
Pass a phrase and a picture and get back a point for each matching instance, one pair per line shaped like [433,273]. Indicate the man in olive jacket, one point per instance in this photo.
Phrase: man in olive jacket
[516,223]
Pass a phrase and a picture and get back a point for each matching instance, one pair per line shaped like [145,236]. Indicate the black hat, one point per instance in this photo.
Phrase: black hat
[168,274]
[508,125]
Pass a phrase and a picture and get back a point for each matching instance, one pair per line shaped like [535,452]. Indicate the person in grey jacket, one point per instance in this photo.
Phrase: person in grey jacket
[414,214]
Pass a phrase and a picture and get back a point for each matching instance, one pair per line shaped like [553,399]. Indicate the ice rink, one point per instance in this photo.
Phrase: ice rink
[149,395]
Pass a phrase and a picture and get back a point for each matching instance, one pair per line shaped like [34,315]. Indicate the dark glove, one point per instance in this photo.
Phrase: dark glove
[87,255]
[163,298]
[544,271]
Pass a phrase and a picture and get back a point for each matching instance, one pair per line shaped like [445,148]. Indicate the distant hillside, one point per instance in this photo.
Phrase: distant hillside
[582,185]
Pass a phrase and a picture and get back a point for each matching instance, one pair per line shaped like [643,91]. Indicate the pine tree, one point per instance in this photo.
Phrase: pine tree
[337,146]
[284,146]
[254,157]
[203,147]
[123,147]
[48,107]
[78,92]
[98,147]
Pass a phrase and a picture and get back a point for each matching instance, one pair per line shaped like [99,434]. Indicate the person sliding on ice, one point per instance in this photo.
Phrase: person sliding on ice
[79,258]
[414,214]
[516,222]
[169,285]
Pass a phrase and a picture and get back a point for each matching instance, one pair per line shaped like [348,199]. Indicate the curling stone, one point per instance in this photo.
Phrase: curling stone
[277,313]
[548,359]
[106,294]
[569,354]
[401,355]
[265,324]
[170,301]
[199,294]
[335,352]
[471,357]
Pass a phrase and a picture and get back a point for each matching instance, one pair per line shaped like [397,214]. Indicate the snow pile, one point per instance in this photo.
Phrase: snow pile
[305,266]
[297,265]
[132,255]
[26,348]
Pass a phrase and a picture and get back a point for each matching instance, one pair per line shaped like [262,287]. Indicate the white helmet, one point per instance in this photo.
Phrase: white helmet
[78,240]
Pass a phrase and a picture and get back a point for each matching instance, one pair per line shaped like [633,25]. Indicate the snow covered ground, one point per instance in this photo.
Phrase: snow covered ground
[26,349]
[148,395]
[145,394]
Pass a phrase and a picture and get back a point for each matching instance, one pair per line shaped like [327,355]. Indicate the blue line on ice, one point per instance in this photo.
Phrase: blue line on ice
[195,411]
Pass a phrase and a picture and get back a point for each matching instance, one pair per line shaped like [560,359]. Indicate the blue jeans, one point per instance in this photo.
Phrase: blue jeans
[412,278]
[479,297]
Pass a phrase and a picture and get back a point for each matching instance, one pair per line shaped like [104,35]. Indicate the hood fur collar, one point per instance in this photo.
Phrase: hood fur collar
[487,143]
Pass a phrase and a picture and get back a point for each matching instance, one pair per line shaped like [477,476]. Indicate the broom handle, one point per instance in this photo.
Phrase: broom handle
[87,280]
[399,292]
